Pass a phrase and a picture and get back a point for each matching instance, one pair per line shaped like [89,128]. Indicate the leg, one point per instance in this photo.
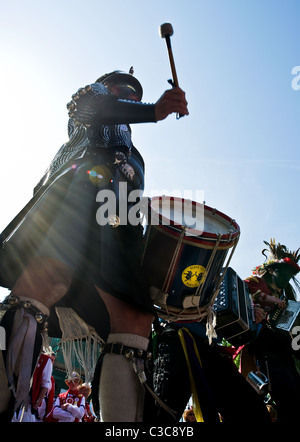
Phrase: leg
[45,280]
[285,385]
[121,393]
[125,318]
[42,284]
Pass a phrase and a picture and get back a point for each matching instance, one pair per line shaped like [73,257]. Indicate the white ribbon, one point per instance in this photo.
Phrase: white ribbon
[20,356]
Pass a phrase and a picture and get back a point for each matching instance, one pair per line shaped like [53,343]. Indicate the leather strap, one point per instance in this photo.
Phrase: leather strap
[128,352]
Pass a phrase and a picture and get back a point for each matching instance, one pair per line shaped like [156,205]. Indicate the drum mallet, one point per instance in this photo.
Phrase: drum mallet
[165,31]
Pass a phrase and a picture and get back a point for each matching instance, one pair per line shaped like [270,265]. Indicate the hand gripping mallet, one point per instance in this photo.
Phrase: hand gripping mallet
[165,31]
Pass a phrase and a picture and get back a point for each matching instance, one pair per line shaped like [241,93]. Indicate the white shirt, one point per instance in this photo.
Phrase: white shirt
[72,412]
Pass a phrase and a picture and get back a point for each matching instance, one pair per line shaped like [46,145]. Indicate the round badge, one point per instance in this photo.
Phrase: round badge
[114,221]
[193,275]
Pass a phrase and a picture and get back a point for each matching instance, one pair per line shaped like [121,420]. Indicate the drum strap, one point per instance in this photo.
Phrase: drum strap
[200,390]
[196,403]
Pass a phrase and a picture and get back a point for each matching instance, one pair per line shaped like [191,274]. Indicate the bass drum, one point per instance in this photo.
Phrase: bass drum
[186,246]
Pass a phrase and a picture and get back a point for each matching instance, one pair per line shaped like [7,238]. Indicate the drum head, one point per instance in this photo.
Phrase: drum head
[201,223]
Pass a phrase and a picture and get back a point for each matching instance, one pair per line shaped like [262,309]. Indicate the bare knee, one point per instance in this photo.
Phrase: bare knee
[45,280]
[126,318]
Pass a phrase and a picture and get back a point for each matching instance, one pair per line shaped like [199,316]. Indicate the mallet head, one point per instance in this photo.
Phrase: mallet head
[165,30]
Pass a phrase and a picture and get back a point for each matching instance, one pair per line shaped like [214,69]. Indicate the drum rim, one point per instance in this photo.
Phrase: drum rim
[205,238]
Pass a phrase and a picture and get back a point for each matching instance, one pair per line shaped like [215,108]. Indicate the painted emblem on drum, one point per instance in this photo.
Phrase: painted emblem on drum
[193,275]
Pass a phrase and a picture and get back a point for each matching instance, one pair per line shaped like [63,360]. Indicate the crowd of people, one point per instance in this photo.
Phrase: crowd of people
[71,405]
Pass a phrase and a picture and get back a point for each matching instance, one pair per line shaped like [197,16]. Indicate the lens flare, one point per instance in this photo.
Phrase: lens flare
[99,175]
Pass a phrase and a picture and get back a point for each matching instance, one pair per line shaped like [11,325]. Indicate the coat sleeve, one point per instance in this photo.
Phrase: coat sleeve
[97,106]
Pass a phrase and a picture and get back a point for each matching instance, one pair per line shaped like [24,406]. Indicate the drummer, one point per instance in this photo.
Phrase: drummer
[57,235]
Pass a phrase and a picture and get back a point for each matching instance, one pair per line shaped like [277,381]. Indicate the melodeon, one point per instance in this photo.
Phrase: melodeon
[286,320]
[235,312]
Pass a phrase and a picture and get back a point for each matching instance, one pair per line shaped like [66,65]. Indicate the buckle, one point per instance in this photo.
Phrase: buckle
[128,352]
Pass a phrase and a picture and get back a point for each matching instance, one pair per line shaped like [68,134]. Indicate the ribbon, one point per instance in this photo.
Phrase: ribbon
[199,388]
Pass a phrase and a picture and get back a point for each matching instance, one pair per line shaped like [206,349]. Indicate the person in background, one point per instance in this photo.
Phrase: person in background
[43,386]
[86,390]
[271,352]
[69,406]
[41,396]
[189,415]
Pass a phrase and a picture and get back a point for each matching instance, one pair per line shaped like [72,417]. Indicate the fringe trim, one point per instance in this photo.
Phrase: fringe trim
[81,344]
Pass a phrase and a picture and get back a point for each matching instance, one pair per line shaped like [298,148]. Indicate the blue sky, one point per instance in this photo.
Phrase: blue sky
[237,61]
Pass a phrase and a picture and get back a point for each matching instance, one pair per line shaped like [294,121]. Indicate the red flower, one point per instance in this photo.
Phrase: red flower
[292,263]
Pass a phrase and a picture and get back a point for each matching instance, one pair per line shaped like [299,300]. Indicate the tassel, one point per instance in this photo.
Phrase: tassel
[211,324]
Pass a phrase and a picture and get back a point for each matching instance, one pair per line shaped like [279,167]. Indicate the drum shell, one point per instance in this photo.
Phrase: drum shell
[186,246]
[159,252]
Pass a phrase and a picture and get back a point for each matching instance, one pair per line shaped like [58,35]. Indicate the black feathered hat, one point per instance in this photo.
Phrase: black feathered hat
[283,260]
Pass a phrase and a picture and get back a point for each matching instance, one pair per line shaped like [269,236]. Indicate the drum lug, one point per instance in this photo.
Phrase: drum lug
[191,301]
[158,295]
